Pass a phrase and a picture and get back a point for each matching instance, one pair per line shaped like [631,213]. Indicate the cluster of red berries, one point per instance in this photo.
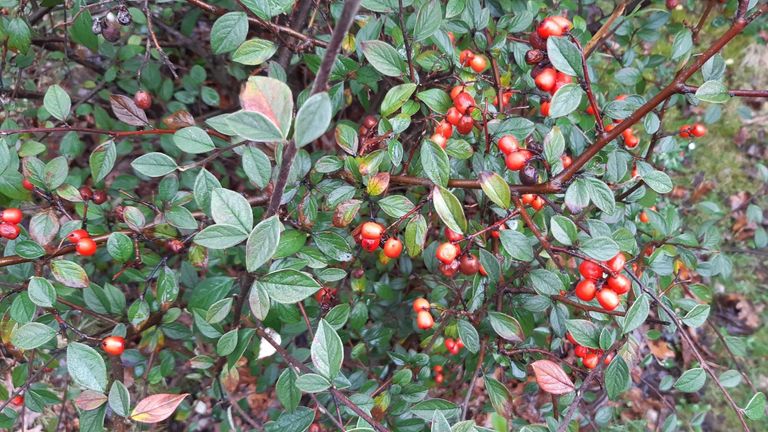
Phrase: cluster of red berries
[514,157]
[97,196]
[630,139]
[370,234]
[84,244]
[113,345]
[546,77]
[697,130]
[589,357]
[9,227]
[424,318]
[453,346]
[478,63]
[607,290]
[453,261]
[438,370]
[459,115]
[325,294]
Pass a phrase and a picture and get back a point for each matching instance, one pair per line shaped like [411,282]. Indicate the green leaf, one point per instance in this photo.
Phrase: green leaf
[584,332]
[56,171]
[254,126]
[516,244]
[69,274]
[436,99]
[120,399]
[333,245]
[231,208]
[682,44]
[435,163]
[506,326]
[498,394]
[289,286]
[554,145]
[396,97]
[86,367]
[41,292]
[258,300]
[636,314]
[29,249]
[154,164]
[617,377]
[545,282]
[227,343]
[18,34]
[327,351]
[469,336]
[565,100]
[102,160]
[228,32]
[313,119]
[658,181]
[449,208]
[600,248]
[218,311]
[691,380]
[312,383]
[564,230]
[57,102]
[180,217]
[495,188]
[256,166]
[428,20]
[755,409]
[383,57]
[415,235]
[220,236]
[193,140]
[601,195]
[565,56]
[713,91]
[254,52]
[396,205]
[439,423]
[286,390]
[32,335]
[262,243]
[120,246]
[697,316]
[426,409]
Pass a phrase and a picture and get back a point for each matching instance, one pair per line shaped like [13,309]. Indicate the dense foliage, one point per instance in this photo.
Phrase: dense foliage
[406,215]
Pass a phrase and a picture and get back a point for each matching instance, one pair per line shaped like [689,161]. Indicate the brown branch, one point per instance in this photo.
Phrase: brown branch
[400,16]
[587,85]
[605,29]
[702,20]
[686,89]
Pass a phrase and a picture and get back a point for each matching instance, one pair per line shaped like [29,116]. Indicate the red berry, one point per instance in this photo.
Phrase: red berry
[580,351]
[620,284]
[685,131]
[528,198]
[420,304]
[538,203]
[437,368]
[465,57]
[508,144]
[516,161]
[314,427]
[591,360]
[459,343]
[452,235]
[585,289]
[450,344]
[99,197]
[496,233]
[644,217]
[608,299]
[453,116]
[590,110]
[478,63]
[370,121]
[449,269]
[86,193]
[11,215]
[544,109]
[439,378]
[465,124]
[469,264]
[445,129]
[463,102]
[9,231]
[570,338]
[370,245]
[566,161]
[590,270]
[142,99]
[553,26]
[698,130]
[371,230]
[439,140]
[86,246]
[26,184]
[17,400]
[456,90]
[447,252]
[608,359]
[424,320]
[617,263]
[324,294]
[545,80]
[113,345]
[393,247]
[76,235]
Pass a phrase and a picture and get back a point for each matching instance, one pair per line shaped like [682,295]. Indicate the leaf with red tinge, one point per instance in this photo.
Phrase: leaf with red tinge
[551,377]
[156,408]
[127,111]
[271,98]
[179,120]
[90,400]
